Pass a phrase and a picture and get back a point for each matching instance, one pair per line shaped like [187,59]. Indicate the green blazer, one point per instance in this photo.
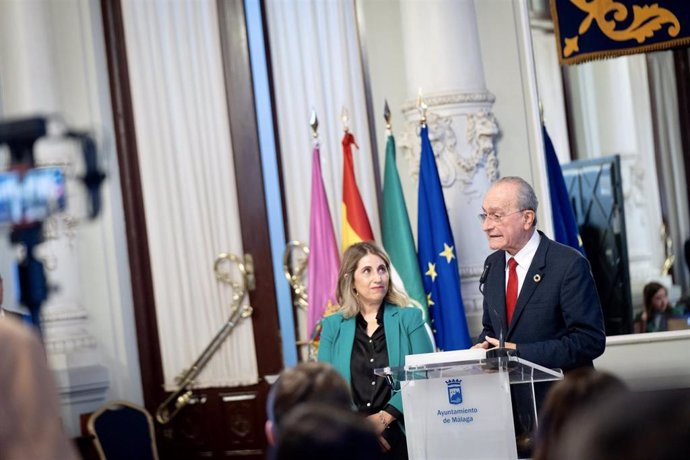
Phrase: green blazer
[406,334]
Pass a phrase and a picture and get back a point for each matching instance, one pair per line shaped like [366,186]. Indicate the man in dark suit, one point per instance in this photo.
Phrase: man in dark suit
[554,318]
[539,296]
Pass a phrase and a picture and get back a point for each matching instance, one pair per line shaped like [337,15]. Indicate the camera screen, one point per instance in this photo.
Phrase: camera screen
[33,197]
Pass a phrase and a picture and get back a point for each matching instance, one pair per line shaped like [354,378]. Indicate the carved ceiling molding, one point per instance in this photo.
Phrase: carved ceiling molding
[444,99]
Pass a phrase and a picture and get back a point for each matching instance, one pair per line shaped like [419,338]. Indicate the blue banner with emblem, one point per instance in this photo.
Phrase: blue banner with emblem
[598,29]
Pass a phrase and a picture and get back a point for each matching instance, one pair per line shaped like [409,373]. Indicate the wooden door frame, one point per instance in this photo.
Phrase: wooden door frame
[681,58]
[252,206]
[244,132]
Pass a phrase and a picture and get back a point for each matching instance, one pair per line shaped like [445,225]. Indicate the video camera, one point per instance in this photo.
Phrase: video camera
[30,193]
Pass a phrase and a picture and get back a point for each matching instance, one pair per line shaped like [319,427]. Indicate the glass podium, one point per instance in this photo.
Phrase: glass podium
[461,408]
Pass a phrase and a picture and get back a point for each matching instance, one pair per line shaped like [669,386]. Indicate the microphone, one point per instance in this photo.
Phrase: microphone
[499,357]
[482,282]
[482,278]
[501,337]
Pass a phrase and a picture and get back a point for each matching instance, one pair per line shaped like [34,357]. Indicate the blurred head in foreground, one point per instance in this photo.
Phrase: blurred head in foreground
[579,390]
[630,426]
[312,381]
[30,420]
[316,431]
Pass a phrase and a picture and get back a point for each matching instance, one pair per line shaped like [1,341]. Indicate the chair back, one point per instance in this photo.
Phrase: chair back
[123,431]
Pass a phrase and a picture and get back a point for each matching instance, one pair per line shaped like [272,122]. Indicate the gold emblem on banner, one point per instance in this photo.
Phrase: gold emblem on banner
[646,21]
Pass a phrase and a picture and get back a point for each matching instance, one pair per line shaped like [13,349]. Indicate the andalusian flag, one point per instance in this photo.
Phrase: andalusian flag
[397,233]
[356,226]
[324,259]
[438,260]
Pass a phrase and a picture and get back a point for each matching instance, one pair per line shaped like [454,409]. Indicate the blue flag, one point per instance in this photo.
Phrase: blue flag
[564,223]
[437,257]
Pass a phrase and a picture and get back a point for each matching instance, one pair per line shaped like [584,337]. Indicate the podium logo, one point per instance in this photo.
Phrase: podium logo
[454,391]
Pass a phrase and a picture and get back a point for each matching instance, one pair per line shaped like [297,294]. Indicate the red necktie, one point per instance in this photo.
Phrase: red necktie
[512,289]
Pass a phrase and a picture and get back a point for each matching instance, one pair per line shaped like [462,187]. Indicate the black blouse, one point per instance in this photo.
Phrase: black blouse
[370,392]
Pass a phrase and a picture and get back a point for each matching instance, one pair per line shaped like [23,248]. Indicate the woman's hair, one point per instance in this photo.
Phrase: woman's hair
[345,290]
[580,390]
[648,293]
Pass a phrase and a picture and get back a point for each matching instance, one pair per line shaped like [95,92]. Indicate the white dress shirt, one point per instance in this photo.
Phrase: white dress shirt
[524,259]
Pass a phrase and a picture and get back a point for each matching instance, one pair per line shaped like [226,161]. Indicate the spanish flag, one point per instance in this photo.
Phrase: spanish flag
[356,226]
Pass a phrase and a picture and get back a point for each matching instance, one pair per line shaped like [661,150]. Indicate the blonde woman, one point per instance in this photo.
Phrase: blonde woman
[373,329]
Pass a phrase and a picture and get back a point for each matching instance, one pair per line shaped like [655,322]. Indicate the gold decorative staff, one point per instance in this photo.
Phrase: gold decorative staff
[183,395]
[668,251]
[293,267]
[294,271]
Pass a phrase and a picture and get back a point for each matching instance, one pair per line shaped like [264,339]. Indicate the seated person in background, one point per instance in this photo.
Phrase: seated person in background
[657,309]
[315,431]
[579,390]
[30,424]
[300,384]
[629,426]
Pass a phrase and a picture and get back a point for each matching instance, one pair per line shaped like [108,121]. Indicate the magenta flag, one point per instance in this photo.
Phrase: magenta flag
[324,258]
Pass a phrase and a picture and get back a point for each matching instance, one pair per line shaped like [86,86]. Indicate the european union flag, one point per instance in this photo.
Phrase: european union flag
[564,223]
[437,257]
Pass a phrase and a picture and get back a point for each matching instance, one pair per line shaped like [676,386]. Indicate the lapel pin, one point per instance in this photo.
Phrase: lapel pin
[537,278]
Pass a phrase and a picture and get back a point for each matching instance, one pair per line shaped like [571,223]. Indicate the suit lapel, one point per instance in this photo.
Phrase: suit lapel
[391,324]
[347,341]
[534,276]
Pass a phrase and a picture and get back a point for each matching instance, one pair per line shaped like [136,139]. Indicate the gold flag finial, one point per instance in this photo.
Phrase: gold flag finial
[541,112]
[314,123]
[387,115]
[421,106]
[345,116]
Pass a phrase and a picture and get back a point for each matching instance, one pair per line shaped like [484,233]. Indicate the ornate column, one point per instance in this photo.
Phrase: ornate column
[443,59]
[612,101]
[31,76]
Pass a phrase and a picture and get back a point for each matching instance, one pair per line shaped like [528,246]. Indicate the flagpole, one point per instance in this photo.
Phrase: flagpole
[324,256]
[387,117]
[369,103]
[396,230]
[314,123]
[436,252]
[422,107]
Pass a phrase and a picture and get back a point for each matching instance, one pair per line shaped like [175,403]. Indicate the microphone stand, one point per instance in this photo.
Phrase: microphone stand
[500,356]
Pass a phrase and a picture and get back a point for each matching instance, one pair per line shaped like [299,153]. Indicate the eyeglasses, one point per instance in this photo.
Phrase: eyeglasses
[495,217]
